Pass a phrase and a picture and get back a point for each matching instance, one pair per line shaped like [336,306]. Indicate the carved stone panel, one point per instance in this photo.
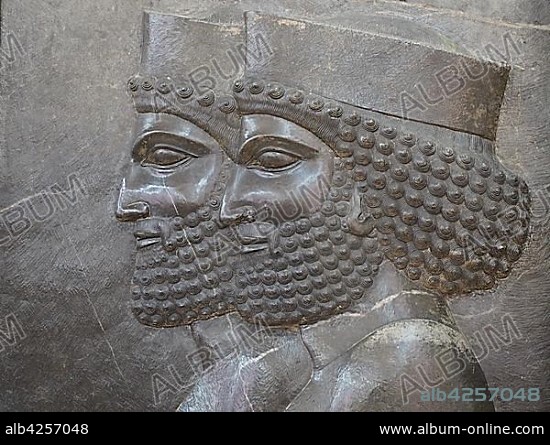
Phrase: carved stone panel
[274,211]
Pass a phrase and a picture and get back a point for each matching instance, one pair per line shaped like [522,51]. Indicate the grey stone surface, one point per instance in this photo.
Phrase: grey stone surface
[535,12]
[65,116]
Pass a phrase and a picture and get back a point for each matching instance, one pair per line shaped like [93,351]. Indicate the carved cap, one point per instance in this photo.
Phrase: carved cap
[378,73]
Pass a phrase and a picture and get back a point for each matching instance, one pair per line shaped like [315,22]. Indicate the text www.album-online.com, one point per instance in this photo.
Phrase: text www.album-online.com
[431,429]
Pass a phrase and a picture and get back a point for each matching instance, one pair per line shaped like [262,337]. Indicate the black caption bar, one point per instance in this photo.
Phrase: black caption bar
[165,427]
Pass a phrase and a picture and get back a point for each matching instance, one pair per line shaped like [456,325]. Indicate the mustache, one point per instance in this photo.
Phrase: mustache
[172,233]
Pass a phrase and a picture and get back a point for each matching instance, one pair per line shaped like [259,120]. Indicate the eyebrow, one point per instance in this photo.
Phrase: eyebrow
[259,144]
[149,140]
[259,130]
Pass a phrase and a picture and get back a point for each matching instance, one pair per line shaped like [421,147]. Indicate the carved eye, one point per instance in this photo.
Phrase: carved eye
[274,160]
[165,157]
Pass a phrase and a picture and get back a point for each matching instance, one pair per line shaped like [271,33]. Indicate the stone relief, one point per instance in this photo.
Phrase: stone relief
[290,204]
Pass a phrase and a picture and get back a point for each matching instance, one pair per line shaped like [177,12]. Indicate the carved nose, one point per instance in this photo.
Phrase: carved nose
[235,207]
[235,215]
[131,211]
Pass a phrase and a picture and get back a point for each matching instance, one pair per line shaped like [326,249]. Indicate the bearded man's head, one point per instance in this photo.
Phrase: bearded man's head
[281,205]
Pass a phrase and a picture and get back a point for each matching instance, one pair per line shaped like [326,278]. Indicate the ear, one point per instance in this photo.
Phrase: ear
[360,221]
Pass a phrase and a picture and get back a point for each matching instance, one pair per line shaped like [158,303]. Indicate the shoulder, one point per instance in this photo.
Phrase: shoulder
[396,367]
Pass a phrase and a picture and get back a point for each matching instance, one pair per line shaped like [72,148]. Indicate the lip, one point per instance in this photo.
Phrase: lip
[250,240]
[250,234]
[144,242]
[147,234]
[252,248]
[146,238]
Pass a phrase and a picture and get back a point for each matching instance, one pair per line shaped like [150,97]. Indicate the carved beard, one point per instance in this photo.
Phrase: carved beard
[312,269]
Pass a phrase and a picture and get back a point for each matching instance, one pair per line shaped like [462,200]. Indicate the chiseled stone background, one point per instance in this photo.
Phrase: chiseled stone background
[65,116]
